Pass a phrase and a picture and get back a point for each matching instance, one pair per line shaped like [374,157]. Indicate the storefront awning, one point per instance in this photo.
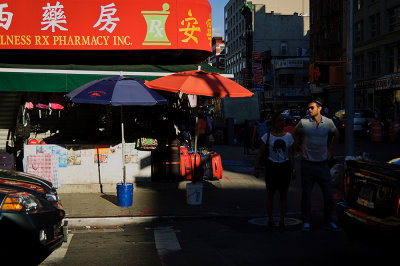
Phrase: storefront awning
[65,78]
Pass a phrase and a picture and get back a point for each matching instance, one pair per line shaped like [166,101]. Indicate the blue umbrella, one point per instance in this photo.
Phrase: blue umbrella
[117,91]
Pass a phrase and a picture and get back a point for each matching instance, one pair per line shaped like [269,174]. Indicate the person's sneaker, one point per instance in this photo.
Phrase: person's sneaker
[332,226]
[306,227]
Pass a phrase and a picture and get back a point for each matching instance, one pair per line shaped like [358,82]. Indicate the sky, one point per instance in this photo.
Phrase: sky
[217,16]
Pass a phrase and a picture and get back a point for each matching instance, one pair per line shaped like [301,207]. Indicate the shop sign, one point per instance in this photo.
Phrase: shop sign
[365,84]
[382,84]
[396,82]
[302,92]
[258,87]
[314,89]
[289,63]
[105,25]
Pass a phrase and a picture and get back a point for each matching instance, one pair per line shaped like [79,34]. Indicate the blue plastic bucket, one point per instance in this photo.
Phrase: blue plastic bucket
[125,194]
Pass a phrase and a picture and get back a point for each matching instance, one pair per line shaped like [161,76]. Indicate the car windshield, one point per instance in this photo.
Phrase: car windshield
[296,112]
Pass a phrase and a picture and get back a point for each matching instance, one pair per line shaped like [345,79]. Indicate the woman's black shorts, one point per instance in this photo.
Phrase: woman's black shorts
[278,175]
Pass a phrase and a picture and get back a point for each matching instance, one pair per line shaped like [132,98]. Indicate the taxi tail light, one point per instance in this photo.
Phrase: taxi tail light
[397,211]
[346,185]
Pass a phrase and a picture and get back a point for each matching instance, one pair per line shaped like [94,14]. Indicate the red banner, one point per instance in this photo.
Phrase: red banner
[105,24]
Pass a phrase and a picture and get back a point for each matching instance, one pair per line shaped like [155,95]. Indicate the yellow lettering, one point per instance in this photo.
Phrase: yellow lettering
[16,40]
[120,40]
[70,41]
[93,41]
[77,40]
[24,39]
[106,39]
[98,40]
[10,40]
[46,42]
[126,42]
[55,39]
[37,40]
[85,40]
[63,40]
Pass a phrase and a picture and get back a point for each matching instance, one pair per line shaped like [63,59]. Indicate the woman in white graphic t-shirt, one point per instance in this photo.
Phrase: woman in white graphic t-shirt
[278,167]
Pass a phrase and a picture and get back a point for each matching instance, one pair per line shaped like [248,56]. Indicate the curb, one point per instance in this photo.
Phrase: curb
[113,221]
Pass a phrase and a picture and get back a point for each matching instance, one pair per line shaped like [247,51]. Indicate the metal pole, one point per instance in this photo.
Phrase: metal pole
[349,103]
[123,145]
[195,146]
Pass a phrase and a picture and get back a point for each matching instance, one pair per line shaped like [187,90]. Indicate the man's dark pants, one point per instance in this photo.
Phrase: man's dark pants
[317,172]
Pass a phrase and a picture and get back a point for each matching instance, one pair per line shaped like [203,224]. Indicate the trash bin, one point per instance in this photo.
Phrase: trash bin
[125,194]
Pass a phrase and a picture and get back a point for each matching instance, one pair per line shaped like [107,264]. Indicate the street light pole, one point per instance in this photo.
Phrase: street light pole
[349,97]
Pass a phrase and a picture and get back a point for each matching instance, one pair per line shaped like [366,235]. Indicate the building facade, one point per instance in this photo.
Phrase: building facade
[261,35]
[217,59]
[328,51]
[376,59]
[376,56]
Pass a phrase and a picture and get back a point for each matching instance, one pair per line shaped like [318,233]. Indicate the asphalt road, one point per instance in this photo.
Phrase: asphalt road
[240,240]
[212,241]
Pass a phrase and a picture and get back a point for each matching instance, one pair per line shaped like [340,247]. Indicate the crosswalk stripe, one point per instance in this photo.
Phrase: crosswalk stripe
[166,240]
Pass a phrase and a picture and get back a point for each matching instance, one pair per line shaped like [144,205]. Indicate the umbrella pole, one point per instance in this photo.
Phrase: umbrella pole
[195,146]
[123,145]
[98,166]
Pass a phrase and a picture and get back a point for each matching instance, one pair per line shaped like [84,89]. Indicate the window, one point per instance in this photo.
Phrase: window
[286,80]
[358,32]
[374,62]
[375,21]
[394,18]
[393,57]
[358,4]
[359,67]
[284,48]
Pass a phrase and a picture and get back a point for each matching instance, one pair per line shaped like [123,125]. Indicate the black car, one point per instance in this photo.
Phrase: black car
[31,214]
[370,211]
[361,120]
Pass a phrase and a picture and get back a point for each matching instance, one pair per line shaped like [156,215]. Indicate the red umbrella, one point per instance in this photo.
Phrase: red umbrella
[199,82]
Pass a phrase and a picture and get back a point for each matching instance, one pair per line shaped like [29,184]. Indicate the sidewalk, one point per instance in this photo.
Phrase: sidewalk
[238,193]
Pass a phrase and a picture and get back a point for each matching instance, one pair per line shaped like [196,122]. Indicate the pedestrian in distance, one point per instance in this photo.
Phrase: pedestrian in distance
[259,129]
[202,129]
[313,132]
[275,155]
[288,125]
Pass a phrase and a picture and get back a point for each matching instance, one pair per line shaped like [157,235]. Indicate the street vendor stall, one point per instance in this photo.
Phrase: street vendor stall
[87,167]
[78,42]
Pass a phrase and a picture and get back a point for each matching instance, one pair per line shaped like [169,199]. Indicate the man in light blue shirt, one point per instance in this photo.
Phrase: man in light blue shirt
[311,140]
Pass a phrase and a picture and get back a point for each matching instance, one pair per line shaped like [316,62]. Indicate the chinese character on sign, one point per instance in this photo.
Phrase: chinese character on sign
[106,17]
[209,30]
[52,16]
[190,28]
[5,17]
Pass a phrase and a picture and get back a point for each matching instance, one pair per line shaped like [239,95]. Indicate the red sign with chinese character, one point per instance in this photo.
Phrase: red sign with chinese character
[105,25]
